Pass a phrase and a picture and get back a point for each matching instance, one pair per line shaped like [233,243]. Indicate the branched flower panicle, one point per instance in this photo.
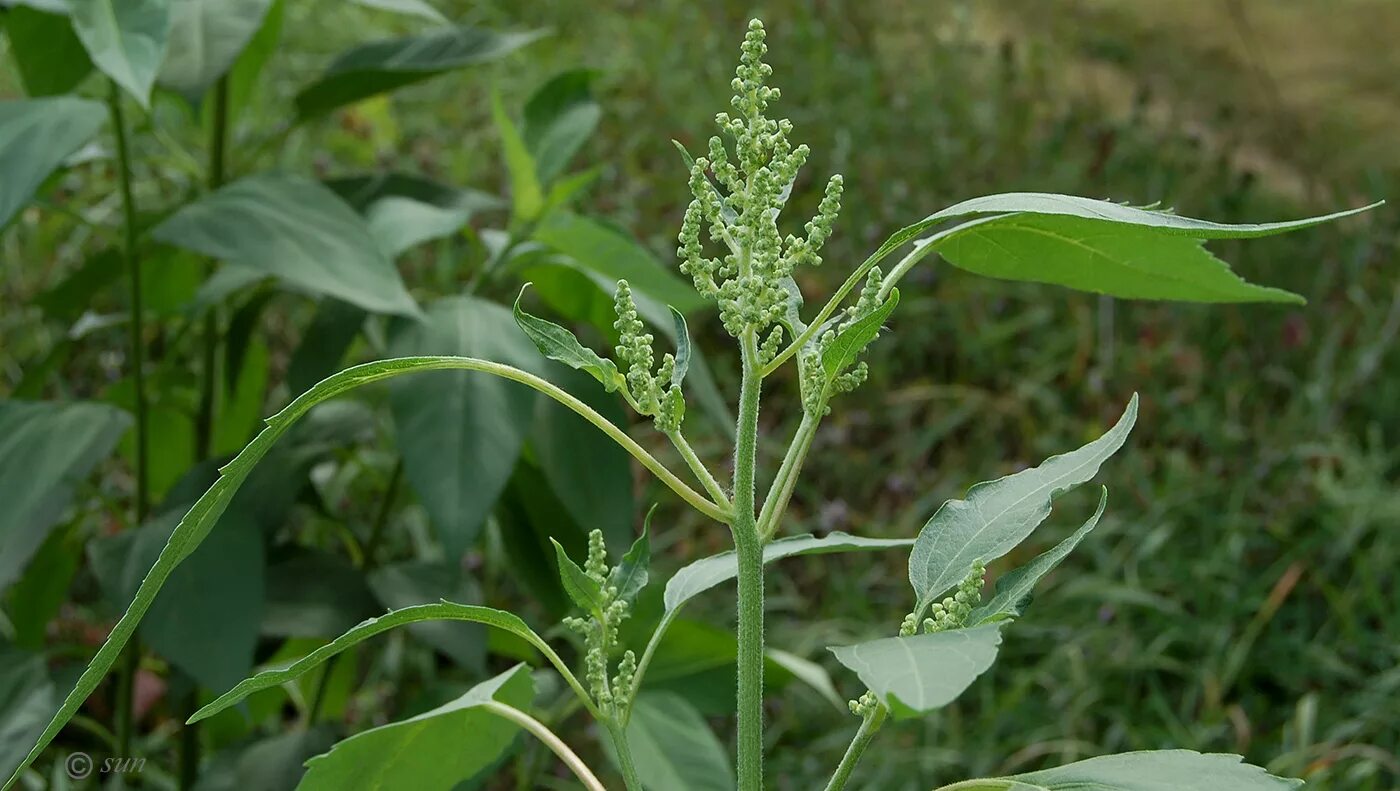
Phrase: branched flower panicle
[600,635]
[653,393]
[748,281]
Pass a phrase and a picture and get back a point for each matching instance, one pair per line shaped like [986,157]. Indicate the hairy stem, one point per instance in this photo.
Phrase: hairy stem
[553,742]
[698,467]
[868,728]
[780,492]
[126,687]
[623,748]
[749,551]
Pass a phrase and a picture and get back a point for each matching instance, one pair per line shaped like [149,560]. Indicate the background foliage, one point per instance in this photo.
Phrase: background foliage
[1238,596]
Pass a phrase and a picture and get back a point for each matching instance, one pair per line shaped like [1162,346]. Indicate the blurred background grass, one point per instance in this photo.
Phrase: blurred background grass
[1242,593]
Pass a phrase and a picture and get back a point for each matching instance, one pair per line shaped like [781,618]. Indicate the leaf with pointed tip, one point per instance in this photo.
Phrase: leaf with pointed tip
[48,55]
[36,135]
[603,248]
[998,515]
[582,589]
[206,38]
[438,750]
[560,345]
[674,748]
[633,572]
[1014,590]
[526,189]
[918,674]
[418,8]
[559,118]
[682,347]
[1147,770]
[851,341]
[126,39]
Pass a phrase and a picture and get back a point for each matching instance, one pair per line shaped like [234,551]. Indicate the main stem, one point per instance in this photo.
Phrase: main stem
[126,686]
[749,551]
[624,756]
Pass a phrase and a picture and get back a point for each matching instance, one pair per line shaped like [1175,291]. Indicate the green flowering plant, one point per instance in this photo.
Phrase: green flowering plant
[746,265]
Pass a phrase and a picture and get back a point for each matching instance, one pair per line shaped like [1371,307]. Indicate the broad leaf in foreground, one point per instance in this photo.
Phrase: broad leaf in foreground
[1149,770]
[36,135]
[918,674]
[126,39]
[998,515]
[434,751]
[296,229]
[1014,589]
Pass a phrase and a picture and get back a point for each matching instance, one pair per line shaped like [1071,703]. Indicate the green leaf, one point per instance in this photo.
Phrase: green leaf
[400,224]
[706,573]
[296,229]
[674,748]
[682,347]
[613,254]
[918,674]
[245,76]
[333,329]
[315,594]
[1014,589]
[559,119]
[26,698]
[381,66]
[441,611]
[415,582]
[48,55]
[38,596]
[1149,770]
[634,571]
[998,515]
[363,191]
[582,589]
[526,190]
[418,8]
[809,673]
[272,763]
[38,474]
[460,434]
[561,345]
[126,39]
[434,751]
[36,135]
[598,494]
[206,38]
[850,342]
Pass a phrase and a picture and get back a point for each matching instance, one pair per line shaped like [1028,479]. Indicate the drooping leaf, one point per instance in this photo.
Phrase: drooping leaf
[631,574]
[460,434]
[126,39]
[48,55]
[615,256]
[674,748]
[1148,770]
[415,582]
[27,697]
[1014,589]
[918,674]
[809,673]
[706,573]
[295,229]
[998,515]
[423,613]
[418,8]
[561,345]
[526,189]
[682,347]
[206,37]
[46,450]
[400,224]
[36,135]
[381,66]
[434,751]
[586,594]
[559,118]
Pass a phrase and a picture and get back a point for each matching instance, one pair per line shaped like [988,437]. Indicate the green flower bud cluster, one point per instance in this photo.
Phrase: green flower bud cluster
[952,612]
[748,282]
[600,636]
[815,392]
[652,393]
[864,705]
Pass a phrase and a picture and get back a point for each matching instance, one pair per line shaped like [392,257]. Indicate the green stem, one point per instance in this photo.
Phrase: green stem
[623,748]
[868,728]
[553,742]
[780,492]
[698,467]
[126,686]
[204,418]
[749,551]
[318,697]
[381,517]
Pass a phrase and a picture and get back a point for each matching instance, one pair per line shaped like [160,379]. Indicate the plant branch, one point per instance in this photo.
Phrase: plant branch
[623,748]
[868,728]
[780,492]
[749,551]
[553,742]
[698,467]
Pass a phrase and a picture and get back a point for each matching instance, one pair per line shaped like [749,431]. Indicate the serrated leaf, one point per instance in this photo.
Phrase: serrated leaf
[441,611]
[382,66]
[126,39]
[206,38]
[559,118]
[561,345]
[998,515]
[1014,589]
[295,229]
[918,674]
[36,135]
[582,589]
[435,751]
[1148,770]
[632,573]
[48,55]
[850,342]
[682,347]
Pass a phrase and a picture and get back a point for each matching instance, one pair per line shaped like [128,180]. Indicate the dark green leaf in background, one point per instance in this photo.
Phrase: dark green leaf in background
[423,582]
[206,38]
[271,764]
[36,135]
[559,119]
[315,594]
[613,254]
[27,699]
[126,39]
[47,53]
